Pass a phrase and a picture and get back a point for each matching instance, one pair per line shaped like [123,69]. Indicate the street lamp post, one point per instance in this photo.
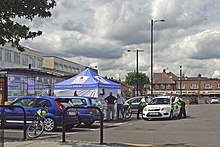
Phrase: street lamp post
[181,80]
[151,49]
[137,51]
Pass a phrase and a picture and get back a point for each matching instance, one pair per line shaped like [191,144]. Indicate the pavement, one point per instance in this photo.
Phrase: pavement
[75,143]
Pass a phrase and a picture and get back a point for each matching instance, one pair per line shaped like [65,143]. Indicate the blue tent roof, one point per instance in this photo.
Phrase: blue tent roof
[87,79]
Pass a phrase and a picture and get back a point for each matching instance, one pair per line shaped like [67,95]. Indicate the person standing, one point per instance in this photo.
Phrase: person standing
[141,105]
[120,103]
[111,100]
[181,104]
[75,93]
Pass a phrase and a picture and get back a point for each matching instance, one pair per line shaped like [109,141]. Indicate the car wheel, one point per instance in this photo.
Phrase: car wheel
[88,123]
[49,124]
[171,115]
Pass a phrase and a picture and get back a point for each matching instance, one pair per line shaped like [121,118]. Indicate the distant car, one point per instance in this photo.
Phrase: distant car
[214,100]
[161,107]
[134,102]
[86,116]
[55,106]
[193,100]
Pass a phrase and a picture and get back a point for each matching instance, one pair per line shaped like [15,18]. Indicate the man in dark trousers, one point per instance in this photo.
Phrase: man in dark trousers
[110,100]
[181,105]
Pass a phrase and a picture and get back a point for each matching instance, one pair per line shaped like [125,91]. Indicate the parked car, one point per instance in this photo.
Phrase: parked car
[214,100]
[193,100]
[134,102]
[86,116]
[55,106]
[161,107]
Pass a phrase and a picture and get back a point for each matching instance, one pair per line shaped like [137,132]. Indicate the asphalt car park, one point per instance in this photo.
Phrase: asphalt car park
[202,121]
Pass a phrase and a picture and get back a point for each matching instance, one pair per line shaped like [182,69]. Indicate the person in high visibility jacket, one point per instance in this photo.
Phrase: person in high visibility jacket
[42,111]
[181,105]
[141,105]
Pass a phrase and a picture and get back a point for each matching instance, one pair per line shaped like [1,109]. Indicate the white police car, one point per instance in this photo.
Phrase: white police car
[161,107]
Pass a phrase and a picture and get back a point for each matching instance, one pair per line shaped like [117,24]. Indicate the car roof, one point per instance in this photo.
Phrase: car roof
[136,97]
[163,96]
[47,97]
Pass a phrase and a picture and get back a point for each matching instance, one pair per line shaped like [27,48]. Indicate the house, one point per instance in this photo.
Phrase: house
[198,86]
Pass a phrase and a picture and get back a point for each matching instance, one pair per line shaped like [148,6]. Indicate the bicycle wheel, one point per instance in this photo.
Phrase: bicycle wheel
[35,129]
[127,113]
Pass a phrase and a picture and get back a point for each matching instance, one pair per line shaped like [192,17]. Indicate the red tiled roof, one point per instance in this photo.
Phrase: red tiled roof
[162,78]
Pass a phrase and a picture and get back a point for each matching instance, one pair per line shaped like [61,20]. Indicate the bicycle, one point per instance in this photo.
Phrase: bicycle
[127,111]
[36,128]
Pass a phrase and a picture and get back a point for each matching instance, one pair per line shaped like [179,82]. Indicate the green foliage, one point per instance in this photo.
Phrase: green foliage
[131,78]
[10,30]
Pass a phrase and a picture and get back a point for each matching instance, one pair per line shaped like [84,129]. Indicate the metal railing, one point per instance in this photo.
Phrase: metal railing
[81,107]
[12,107]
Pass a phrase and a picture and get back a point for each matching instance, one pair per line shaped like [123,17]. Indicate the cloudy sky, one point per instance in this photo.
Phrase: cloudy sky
[99,33]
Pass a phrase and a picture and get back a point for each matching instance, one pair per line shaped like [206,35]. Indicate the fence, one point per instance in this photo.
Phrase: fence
[3,120]
[85,107]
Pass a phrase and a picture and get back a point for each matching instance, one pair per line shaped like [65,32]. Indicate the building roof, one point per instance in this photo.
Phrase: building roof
[28,72]
[164,78]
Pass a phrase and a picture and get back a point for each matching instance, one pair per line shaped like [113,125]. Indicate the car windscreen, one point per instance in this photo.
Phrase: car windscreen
[159,101]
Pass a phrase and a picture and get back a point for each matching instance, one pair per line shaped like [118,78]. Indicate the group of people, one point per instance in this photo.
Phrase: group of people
[119,100]
[111,101]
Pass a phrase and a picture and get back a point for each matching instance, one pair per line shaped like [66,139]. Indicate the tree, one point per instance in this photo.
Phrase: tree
[131,79]
[10,10]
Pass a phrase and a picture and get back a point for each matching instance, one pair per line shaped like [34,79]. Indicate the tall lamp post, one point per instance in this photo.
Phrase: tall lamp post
[151,49]
[137,51]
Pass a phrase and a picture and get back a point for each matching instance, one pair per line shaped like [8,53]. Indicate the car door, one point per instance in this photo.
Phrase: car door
[42,102]
[16,115]
[135,102]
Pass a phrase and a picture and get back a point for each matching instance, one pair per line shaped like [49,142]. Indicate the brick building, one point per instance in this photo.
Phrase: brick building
[167,83]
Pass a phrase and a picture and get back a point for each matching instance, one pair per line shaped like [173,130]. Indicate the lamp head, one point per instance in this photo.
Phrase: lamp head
[159,20]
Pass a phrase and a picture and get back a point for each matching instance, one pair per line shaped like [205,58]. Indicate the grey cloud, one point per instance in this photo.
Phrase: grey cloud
[101,30]
[69,25]
[208,46]
[90,52]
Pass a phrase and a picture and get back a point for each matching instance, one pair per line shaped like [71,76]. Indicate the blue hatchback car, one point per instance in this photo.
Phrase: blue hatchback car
[55,106]
[86,116]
